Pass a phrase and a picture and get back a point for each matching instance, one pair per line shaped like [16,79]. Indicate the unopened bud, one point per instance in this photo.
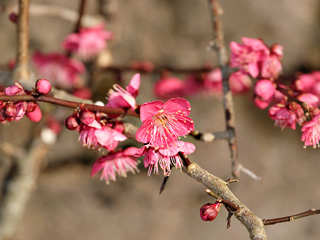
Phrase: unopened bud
[209,212]
[35,115]
[71,123]
[43,86]
[10,110]
[86,116]
[13,17]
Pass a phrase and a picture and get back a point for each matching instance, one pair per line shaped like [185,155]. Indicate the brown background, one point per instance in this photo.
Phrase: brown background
[68,204]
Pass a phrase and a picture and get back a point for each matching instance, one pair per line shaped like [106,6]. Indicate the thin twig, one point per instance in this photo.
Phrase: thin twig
[291,217]
[22,73]
[218,45]
[80,15]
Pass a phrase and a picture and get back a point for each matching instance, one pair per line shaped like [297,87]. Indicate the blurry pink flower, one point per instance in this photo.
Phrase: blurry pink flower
[193,84]
[35,115]
[88,42]
[247,56]
[311,132]
[59,69]
[271,67]
[283,117]
[125,98]
[164,157]
[310,99]
[169,87]
[305,82]
[163,123]
[277,49]
[83,92]
[16,89]
[239,82]
[119,162]
[213,81]
[264,89]
[209,212]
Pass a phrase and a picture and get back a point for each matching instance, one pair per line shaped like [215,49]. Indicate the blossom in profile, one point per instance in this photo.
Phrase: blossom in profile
[119,163]
[62,71]
[119,97]
[283,117]
[88,42]
[248,56]
[164,123]
[164,157]
[311,132]
[271,65]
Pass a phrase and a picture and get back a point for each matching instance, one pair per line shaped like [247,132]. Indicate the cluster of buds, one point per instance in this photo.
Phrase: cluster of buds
[10,111]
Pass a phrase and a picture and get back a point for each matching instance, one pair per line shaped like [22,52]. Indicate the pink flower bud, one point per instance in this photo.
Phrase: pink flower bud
[35,115]
[11,110]
[13,17]
[264,89]
[86,116]
[71,123]
[209,212]
[43,86]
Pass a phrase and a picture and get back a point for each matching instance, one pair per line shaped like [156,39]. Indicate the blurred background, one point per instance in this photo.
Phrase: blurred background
[67,203]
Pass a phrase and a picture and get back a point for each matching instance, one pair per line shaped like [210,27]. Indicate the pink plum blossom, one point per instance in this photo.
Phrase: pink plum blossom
[119,162]
[248,56]
[88,42]
[311,132]
[239,82]
[164,157]
[60,70]
[163,123]
[271,67]
[283,117]
[125,98]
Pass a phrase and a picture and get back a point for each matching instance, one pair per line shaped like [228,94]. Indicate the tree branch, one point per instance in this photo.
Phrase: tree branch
[218,45]
[69,104]
[291,217]
[22,73]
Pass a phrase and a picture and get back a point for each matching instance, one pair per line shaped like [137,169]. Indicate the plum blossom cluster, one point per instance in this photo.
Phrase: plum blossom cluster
[162,125]
[10,111]
[288,105]
[98,130]
[65,71]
